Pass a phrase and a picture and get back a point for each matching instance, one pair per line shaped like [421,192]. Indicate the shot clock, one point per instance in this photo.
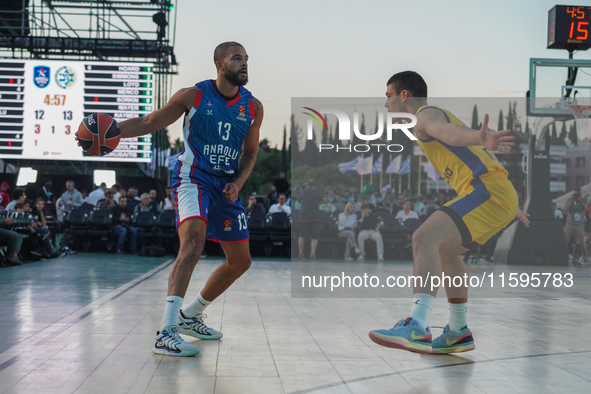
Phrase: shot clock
[569,27]
[42,102]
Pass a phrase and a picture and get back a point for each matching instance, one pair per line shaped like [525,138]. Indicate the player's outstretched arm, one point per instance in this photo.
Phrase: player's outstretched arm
[249,154]
[178,104]
[434,123]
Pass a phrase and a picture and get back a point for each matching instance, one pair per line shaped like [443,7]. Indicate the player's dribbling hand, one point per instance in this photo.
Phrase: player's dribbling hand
[495,140]
[231,191]
[523,217]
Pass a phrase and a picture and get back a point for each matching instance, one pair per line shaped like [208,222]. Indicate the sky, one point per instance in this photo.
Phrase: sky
[350,48]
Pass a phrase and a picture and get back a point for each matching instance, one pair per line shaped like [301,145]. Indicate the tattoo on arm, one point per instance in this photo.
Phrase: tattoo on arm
[245,167]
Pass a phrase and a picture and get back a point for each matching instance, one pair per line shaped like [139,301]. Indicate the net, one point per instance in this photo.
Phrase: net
[581,114]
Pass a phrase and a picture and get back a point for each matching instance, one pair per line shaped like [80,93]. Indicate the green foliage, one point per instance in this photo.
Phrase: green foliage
[265,171]
[475,125]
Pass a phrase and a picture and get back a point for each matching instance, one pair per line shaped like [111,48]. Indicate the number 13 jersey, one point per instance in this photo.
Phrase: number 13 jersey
[214,131]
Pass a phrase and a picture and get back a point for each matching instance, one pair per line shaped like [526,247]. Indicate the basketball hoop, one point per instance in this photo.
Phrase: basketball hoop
[581,114]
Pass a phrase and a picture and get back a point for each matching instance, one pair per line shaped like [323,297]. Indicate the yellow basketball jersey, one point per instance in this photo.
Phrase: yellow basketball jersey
[459,165]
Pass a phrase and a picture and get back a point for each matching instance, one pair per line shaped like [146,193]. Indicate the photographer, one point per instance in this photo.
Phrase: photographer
[575,210]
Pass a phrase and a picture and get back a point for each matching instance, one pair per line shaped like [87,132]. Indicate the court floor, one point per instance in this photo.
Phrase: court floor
[86,324]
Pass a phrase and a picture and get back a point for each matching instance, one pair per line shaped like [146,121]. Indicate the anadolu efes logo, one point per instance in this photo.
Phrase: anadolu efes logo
[345,129]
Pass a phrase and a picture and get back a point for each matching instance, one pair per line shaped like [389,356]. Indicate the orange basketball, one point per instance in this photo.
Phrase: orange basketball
[99,134]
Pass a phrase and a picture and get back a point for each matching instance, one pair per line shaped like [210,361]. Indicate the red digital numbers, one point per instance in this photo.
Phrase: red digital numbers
[585,32]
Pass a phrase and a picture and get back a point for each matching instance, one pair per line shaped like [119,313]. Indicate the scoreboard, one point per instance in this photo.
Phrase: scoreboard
[42,103]
[569,27]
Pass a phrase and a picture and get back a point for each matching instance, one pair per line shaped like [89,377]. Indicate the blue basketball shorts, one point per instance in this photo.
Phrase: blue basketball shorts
[201,196]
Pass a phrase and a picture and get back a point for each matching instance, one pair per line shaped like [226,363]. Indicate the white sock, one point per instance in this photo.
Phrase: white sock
[422,304]
[458,316]
[171,312]
[196,306]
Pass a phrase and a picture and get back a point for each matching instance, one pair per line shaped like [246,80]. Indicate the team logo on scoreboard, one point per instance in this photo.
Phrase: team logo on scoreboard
[41,76]
[65,77]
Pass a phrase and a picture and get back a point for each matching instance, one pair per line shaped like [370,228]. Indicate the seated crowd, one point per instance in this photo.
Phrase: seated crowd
[31,230]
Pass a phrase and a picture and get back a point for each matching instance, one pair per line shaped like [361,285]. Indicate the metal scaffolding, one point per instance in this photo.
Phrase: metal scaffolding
[103,30]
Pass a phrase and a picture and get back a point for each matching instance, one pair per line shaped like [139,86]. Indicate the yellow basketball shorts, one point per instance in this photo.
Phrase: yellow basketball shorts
[487,207]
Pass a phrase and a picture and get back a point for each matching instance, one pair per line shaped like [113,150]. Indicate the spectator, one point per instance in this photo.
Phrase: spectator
[154,196]
[18,197]
[557,212]
[337,205]
[45,192]
[107,202]
[398,204]
[576,211]
[13,242]
[27,207]
[406,213]
[132,199]
[280,206]
[254,206]
[347,223]
[168,202]
[370,228]
[84,194]
[281,184]
[4,197]
[431,207]
[122,214]
[116,188]
[326,206]
[272,196]
[386,204]
[420,206]
[309,219]
[72,198]
[42,230]
[358,201]
[96,195]
[146,206]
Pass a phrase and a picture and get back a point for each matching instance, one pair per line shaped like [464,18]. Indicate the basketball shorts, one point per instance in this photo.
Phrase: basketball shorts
[488,206]
[201,196]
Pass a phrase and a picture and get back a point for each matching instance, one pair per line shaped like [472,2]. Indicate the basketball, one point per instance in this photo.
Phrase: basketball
[99,134]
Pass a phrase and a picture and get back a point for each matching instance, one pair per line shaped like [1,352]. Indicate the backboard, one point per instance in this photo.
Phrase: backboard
[554,84]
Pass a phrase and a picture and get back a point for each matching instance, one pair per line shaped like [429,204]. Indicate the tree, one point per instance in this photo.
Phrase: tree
[572,135]
[284,162]
[527,130]
[177,146]
[500,126]
[475,125]
[294,146]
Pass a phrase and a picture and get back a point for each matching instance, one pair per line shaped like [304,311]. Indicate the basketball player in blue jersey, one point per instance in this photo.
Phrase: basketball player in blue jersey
[221,118]
[486,203]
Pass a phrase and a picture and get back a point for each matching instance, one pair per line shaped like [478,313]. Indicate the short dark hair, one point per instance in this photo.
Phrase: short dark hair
[409,80]
[17,193]
[311,182]
[365,206]
[109,193]
[578,189]
[125,197]
[19,206]
[222,50]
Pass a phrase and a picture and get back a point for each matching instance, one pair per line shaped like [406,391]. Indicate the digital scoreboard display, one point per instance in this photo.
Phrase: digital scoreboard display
[569,27]
[42,103]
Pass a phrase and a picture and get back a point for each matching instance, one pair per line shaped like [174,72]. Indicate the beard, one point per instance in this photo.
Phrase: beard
[235,79]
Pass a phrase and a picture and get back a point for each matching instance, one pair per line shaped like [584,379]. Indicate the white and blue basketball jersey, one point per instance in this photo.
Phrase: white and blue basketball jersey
[214,131]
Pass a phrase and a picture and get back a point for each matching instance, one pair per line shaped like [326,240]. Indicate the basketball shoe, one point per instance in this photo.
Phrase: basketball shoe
[169,343]
[453,342]
[194,326]
[407,334]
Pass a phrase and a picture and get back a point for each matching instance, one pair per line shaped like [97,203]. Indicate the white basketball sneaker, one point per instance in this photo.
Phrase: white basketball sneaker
[170,343]
[194,326]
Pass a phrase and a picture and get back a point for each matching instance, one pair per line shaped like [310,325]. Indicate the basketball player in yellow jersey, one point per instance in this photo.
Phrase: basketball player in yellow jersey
[486,203]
